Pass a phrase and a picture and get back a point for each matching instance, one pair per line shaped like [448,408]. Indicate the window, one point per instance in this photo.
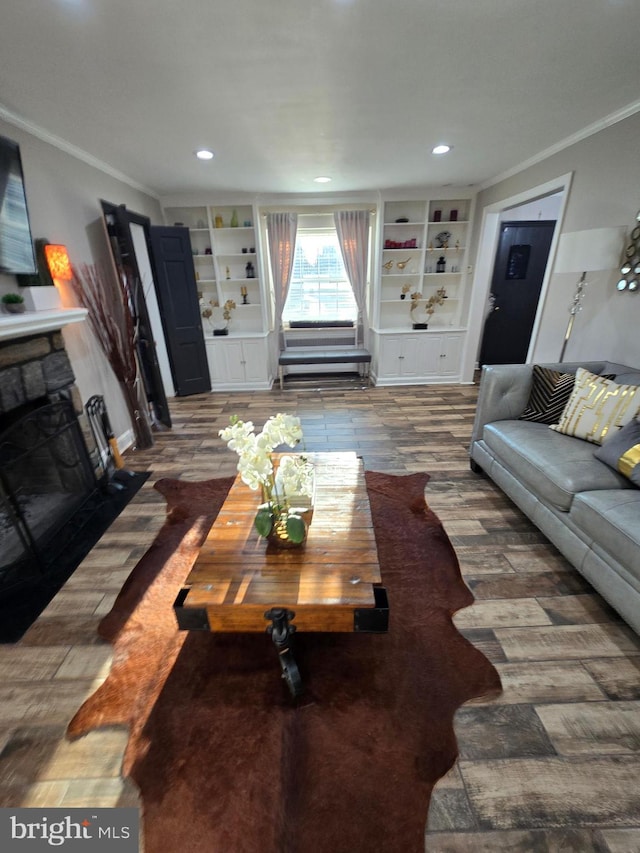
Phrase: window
[319,289]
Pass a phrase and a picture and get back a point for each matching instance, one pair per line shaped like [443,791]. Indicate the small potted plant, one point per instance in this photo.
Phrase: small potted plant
[13,303]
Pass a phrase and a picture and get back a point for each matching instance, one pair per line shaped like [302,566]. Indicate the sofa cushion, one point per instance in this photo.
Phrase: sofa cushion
[612,519]
[597,407]
[622,451]
[554,467]
[550,392]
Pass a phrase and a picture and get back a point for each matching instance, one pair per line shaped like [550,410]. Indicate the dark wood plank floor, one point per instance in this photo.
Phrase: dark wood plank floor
[551,765]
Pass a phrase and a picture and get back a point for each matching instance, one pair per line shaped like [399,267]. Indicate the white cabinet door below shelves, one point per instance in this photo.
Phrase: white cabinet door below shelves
[450,355]
[239,363]
[442,354]
[255,361]
[234,362]
[400,357]
[422,357]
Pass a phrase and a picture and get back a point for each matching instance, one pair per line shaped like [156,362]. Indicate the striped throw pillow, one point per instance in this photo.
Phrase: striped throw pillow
[550,392]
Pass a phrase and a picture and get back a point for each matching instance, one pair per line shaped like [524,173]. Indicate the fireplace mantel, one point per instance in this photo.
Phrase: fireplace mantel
[33,322]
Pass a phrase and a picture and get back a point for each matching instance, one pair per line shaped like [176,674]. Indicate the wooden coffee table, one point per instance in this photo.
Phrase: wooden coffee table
[241,583]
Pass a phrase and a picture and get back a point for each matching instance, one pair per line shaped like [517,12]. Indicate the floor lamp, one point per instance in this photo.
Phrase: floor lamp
[582,252]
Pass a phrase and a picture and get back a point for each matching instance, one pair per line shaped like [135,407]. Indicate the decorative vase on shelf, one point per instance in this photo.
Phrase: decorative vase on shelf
[234,219]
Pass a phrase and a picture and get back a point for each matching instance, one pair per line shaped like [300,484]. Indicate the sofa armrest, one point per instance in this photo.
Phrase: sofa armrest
[504,392]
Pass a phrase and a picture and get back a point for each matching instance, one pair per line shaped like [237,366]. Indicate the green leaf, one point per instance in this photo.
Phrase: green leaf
[263,522]
[296,528]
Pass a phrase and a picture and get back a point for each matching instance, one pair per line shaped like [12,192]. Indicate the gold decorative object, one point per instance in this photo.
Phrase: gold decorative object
[387,266]
[430,305]
[227,308]
[402,264]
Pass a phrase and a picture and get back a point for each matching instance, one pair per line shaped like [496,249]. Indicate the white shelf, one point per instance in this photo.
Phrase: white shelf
[400,274]
[220,249]
[408,330]
[34,322]
[441,274]
[233,229]
[448,222]
[235,255]
[404,224]
[392,314]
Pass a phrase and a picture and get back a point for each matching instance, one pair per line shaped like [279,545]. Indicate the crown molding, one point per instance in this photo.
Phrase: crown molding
[62,144]
[589,130]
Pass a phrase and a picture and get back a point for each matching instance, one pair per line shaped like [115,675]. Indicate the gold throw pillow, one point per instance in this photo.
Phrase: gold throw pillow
[597,407]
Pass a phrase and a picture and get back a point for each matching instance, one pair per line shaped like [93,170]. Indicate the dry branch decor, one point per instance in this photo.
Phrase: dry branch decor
[112,322]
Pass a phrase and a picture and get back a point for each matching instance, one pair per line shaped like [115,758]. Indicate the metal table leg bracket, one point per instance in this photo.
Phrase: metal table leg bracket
[281,630]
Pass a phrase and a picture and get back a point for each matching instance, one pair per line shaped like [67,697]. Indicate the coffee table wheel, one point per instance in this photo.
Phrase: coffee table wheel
[291,673]
[281,631]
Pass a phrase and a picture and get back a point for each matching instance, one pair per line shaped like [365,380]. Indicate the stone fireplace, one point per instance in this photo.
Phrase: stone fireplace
[47,456]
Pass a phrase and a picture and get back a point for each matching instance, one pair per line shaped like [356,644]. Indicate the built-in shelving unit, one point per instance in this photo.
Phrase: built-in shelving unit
[423,256]
[226,257]
[420,250]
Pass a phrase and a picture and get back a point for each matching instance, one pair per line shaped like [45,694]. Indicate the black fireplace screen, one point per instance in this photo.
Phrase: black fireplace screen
[46,478]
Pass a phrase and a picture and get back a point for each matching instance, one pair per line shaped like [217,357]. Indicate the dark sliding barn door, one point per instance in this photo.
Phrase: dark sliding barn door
[180,309]
[118,221]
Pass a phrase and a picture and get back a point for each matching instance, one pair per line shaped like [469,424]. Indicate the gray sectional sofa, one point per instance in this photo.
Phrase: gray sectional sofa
[588,510]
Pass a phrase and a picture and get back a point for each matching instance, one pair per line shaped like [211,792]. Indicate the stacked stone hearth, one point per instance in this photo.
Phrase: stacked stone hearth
[35,371]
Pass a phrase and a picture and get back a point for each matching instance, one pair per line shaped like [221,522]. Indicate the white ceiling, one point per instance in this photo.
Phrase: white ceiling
[285,90]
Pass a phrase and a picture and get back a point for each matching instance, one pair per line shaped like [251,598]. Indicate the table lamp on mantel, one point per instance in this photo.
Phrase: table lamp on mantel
[586,251]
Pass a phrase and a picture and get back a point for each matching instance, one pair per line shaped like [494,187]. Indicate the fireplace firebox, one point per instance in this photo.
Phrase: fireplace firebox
[48,489]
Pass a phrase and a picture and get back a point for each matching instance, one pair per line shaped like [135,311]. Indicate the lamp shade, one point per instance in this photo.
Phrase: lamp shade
[58,262]
[590,250]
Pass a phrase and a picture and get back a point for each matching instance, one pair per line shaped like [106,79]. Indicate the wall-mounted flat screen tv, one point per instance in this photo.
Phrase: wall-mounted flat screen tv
[16,245]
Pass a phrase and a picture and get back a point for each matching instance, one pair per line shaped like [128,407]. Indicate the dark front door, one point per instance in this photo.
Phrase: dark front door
[180,309]
[520,264]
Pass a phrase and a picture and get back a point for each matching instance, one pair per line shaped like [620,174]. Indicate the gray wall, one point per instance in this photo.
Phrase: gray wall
[63,196]
[605,191]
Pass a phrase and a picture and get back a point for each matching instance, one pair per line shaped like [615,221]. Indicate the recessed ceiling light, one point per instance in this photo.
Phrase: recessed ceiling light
[204,154]
[441,149]
[322,179]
